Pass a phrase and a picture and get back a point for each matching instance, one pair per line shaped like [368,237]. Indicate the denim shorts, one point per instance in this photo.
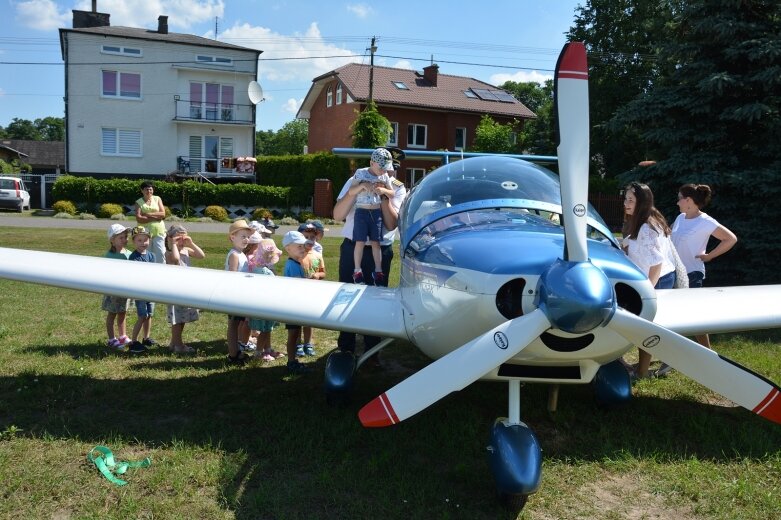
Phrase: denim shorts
[695,279]
[666,282]
[145,309]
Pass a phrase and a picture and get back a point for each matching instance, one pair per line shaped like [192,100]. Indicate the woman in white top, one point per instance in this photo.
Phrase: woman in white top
[690,233]
[647,243]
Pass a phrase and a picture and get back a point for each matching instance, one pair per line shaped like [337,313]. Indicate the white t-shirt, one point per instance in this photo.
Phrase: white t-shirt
[388,236]
[369,199]
[690,236]
[649,249]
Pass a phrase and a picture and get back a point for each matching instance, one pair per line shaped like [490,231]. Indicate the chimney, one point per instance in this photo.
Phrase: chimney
[162,24]
[431,73]
[84,19]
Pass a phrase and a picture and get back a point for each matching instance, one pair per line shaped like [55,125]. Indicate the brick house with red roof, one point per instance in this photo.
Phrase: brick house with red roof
[428,111]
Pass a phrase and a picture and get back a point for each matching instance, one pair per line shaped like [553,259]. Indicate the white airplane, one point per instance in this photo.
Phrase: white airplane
[492,287]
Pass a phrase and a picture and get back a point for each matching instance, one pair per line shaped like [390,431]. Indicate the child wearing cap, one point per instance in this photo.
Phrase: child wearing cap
[239,234]
[179,249]
[367,225]
[141,240]
[116,306]
[295,246]
[261,262]
[319,233]
[314,266]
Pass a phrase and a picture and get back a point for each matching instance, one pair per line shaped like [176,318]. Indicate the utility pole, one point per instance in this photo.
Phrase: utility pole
[373,49]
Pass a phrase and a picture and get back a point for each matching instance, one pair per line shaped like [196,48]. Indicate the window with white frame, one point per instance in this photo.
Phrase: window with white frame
[329,97]
[119,50]
[414,175]
[460,138]
[207,152]
[393,138]
[416,135]
[339,94]
[215,60]
[123,142]
[211,101]
[121,85]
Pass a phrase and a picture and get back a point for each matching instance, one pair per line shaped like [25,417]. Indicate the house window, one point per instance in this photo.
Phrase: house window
[124,85]
[211,101]
[120,141]
[400,85]
[460,138]
[121,51]
[416,136]
[339,94]
[207,152]
[393,138]
[415,175]
[329,97]
[215,60]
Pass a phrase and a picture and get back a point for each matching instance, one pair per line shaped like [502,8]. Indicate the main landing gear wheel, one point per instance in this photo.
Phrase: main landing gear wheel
[339,377]
[612,386]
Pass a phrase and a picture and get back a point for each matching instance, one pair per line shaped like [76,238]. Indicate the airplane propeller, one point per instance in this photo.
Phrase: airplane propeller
[573,295]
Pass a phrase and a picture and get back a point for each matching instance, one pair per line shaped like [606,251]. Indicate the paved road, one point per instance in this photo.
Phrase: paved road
[9,220]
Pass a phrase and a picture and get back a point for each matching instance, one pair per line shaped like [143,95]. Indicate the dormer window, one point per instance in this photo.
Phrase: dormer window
[339,94]
[329,97]
[400,85]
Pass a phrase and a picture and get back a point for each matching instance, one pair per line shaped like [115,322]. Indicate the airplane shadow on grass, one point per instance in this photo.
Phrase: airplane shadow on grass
[281,431]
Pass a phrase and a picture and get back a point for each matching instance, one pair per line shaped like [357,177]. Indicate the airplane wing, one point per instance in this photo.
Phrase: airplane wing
[719,309]
[323,304]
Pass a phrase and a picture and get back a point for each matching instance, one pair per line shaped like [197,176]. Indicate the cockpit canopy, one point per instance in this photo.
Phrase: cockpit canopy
[484,183]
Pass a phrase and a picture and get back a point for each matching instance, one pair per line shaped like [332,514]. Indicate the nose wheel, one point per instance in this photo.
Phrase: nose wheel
[514,455]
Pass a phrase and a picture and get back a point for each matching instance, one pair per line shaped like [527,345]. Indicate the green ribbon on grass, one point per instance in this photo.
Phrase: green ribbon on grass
[102,457]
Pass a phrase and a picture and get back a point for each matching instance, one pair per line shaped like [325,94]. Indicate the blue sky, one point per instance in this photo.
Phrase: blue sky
[504,39]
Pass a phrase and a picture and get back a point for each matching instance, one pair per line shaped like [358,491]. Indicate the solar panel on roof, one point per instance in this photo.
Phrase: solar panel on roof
[504,96]
[485,94]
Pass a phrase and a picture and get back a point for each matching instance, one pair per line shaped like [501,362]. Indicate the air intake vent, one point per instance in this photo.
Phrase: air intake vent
[628,298]
[508,298]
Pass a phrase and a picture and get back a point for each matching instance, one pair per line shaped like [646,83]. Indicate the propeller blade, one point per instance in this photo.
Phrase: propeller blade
[454,371]
[705,366]
[571,98]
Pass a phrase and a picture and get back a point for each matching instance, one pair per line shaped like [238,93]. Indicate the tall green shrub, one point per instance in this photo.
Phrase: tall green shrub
[299,172]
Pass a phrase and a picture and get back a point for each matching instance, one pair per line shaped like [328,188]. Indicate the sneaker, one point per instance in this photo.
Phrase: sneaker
[300,351]
[124,341]
[309,349]
[136,347]
[663,370]
[247,347]
[297,368]
[358,278]
[379,278]
[239,360]
[112,343]
[149,342]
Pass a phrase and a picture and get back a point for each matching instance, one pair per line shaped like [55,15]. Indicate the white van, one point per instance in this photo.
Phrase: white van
[13,194]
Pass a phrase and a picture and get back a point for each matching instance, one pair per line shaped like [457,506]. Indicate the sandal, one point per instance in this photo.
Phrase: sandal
[240,359]
[265,357]
[274,353]
[184,349]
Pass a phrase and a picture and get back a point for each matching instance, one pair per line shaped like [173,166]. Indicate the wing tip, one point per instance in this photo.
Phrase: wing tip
[770,406]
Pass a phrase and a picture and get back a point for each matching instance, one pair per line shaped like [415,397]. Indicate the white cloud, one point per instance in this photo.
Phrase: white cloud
[42,15]
[522,76]
[292,105]
[403,64]
[360,10]
[309,52]
[182,14]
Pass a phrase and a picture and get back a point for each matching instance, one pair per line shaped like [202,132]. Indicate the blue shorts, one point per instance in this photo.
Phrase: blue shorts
[666,282]
[367,223]
[145,309]
[695,279]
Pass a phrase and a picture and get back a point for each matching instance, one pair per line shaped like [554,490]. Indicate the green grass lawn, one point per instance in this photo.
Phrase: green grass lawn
[253,443]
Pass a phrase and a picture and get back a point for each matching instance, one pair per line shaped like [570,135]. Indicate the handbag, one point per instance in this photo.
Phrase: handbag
[681,275]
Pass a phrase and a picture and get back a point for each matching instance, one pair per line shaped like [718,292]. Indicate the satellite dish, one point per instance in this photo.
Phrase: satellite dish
[255,92]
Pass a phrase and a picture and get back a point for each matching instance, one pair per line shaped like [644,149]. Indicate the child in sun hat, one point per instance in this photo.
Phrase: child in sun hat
[239,234]
[314,266]
[145,309]
[295,246]
[320,230]
[262,262]
[180,248]
[116,306]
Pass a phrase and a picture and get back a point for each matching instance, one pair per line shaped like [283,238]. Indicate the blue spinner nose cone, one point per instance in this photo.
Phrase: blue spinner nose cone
[576,296]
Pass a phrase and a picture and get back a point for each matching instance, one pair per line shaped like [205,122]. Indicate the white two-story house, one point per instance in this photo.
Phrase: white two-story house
[146,103]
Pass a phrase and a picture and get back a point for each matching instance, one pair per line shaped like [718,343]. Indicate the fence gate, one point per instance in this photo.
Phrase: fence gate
[40,188]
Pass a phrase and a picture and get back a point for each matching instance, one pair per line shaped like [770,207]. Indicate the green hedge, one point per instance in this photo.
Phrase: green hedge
[298,172]
[86,190]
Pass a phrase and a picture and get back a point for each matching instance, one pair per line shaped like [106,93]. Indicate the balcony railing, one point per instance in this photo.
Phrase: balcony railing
[215,113]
